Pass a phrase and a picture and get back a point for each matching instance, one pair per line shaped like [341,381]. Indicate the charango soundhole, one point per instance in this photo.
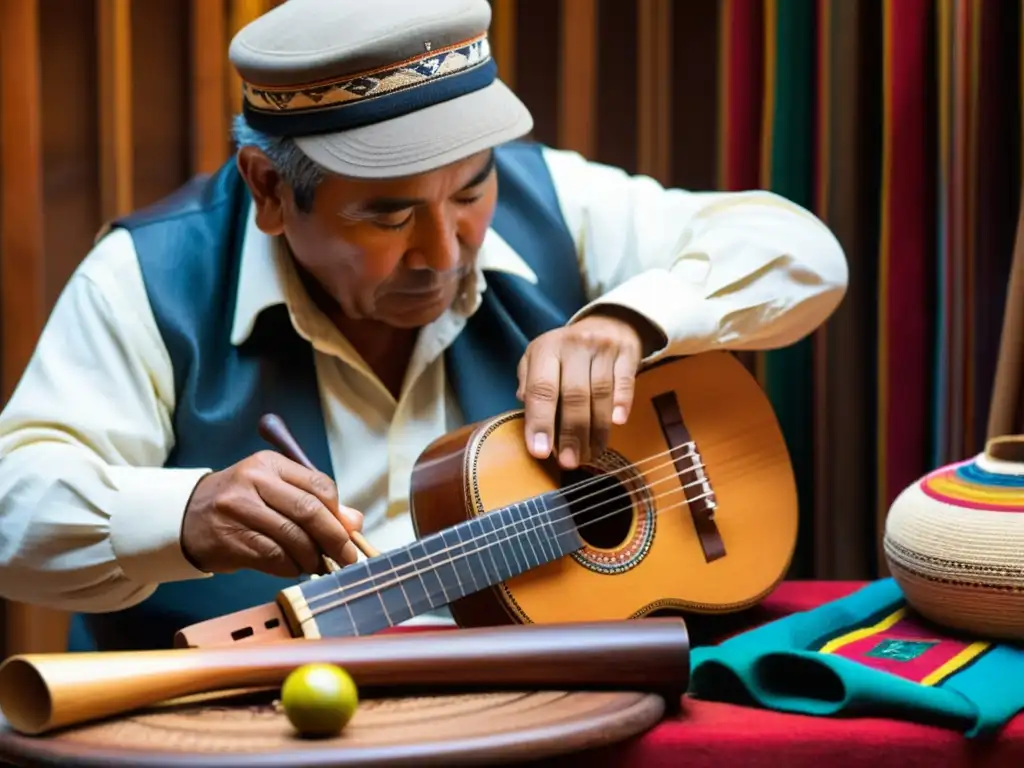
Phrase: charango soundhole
[614,512]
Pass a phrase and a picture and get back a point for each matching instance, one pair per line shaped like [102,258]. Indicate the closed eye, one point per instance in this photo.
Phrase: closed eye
[394,225]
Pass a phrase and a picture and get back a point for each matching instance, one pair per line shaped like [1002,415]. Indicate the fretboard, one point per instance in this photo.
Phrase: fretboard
[430,573]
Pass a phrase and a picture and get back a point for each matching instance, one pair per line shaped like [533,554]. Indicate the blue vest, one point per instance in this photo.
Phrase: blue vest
[189,249]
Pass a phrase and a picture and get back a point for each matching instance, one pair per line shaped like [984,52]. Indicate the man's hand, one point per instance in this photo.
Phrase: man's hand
[581,376]
[269,514]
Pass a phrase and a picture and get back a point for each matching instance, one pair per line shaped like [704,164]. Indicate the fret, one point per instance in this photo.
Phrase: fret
[344,609]
[524,544]
[505,530]
[379,587]
[366,606]
[542,529]
[560,533]
[396,586]
[559,528]
[425,553]
[473,552]
[456,573]
[439,570]
[497,564]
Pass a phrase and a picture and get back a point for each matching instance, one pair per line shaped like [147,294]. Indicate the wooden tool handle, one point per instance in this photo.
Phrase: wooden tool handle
[276,432]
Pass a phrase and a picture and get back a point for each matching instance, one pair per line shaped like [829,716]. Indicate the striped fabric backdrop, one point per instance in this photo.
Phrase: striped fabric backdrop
[898,122]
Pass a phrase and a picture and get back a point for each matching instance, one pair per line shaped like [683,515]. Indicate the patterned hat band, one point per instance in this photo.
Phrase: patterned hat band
[374,96]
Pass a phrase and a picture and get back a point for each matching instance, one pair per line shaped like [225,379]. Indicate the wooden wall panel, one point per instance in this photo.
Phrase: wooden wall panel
[539,25]
[209,123]
[161,98]
[503,39]
[578,76]
[240,13]
[22,272]
[71,131]
[139,95]
[115,75]
[617,84]
[22,268]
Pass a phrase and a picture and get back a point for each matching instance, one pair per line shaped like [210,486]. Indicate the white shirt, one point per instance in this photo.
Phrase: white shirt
[90,519]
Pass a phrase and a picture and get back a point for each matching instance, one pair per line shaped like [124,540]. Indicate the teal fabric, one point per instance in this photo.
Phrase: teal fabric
[777,667]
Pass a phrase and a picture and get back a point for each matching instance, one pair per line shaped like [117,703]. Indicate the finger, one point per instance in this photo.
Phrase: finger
[324,488]
[543,377]
[351,518]
[602,389]
[321,485]
[264,554]
[521,369]
[303,497]
[625,386]
[574,426]
[291,551]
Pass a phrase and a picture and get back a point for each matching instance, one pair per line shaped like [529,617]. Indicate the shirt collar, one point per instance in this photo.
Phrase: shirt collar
[264,270]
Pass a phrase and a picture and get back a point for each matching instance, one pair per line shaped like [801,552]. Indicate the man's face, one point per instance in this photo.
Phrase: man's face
[396,250]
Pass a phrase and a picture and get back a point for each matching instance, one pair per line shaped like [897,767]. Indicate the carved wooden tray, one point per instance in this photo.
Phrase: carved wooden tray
[249,730]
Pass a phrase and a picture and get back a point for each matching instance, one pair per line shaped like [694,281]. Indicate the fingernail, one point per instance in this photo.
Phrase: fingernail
[619,415]
[349,553]
[353,520]
[568,458]
[540,445]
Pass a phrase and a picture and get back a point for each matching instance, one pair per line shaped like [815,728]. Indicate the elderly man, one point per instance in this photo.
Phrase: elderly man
[382,262]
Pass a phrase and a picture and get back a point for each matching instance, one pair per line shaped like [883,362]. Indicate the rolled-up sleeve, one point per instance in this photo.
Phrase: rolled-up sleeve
[709,270]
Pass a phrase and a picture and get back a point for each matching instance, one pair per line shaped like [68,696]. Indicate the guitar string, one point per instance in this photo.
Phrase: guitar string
[571,487]
[447,549]
[466,552]
[376,589]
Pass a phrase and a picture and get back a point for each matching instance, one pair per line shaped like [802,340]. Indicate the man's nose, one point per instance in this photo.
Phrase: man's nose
[438,243]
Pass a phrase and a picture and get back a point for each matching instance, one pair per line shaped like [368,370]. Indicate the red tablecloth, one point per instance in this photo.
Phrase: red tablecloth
[710,735]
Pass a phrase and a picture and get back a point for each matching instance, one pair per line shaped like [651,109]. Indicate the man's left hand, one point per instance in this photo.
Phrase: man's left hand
[580,376]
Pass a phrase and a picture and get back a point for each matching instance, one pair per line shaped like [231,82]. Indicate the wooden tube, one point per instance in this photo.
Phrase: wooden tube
[41,692]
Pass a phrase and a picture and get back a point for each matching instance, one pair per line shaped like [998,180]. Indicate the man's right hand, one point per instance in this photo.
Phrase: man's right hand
[267,513]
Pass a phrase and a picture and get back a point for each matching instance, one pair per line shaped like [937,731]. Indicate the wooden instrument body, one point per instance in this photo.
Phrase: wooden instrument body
[705,521]
[660,563]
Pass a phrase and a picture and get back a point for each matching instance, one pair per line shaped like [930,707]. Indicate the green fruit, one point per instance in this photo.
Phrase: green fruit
[319,699]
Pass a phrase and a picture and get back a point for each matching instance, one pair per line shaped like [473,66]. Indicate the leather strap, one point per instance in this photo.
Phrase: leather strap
[700,496]
[260,624]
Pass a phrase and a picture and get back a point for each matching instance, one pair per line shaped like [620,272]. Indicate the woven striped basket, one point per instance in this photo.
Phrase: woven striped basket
[954,542]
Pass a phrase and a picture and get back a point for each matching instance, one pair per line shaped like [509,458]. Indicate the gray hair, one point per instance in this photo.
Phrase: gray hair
[298,171]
